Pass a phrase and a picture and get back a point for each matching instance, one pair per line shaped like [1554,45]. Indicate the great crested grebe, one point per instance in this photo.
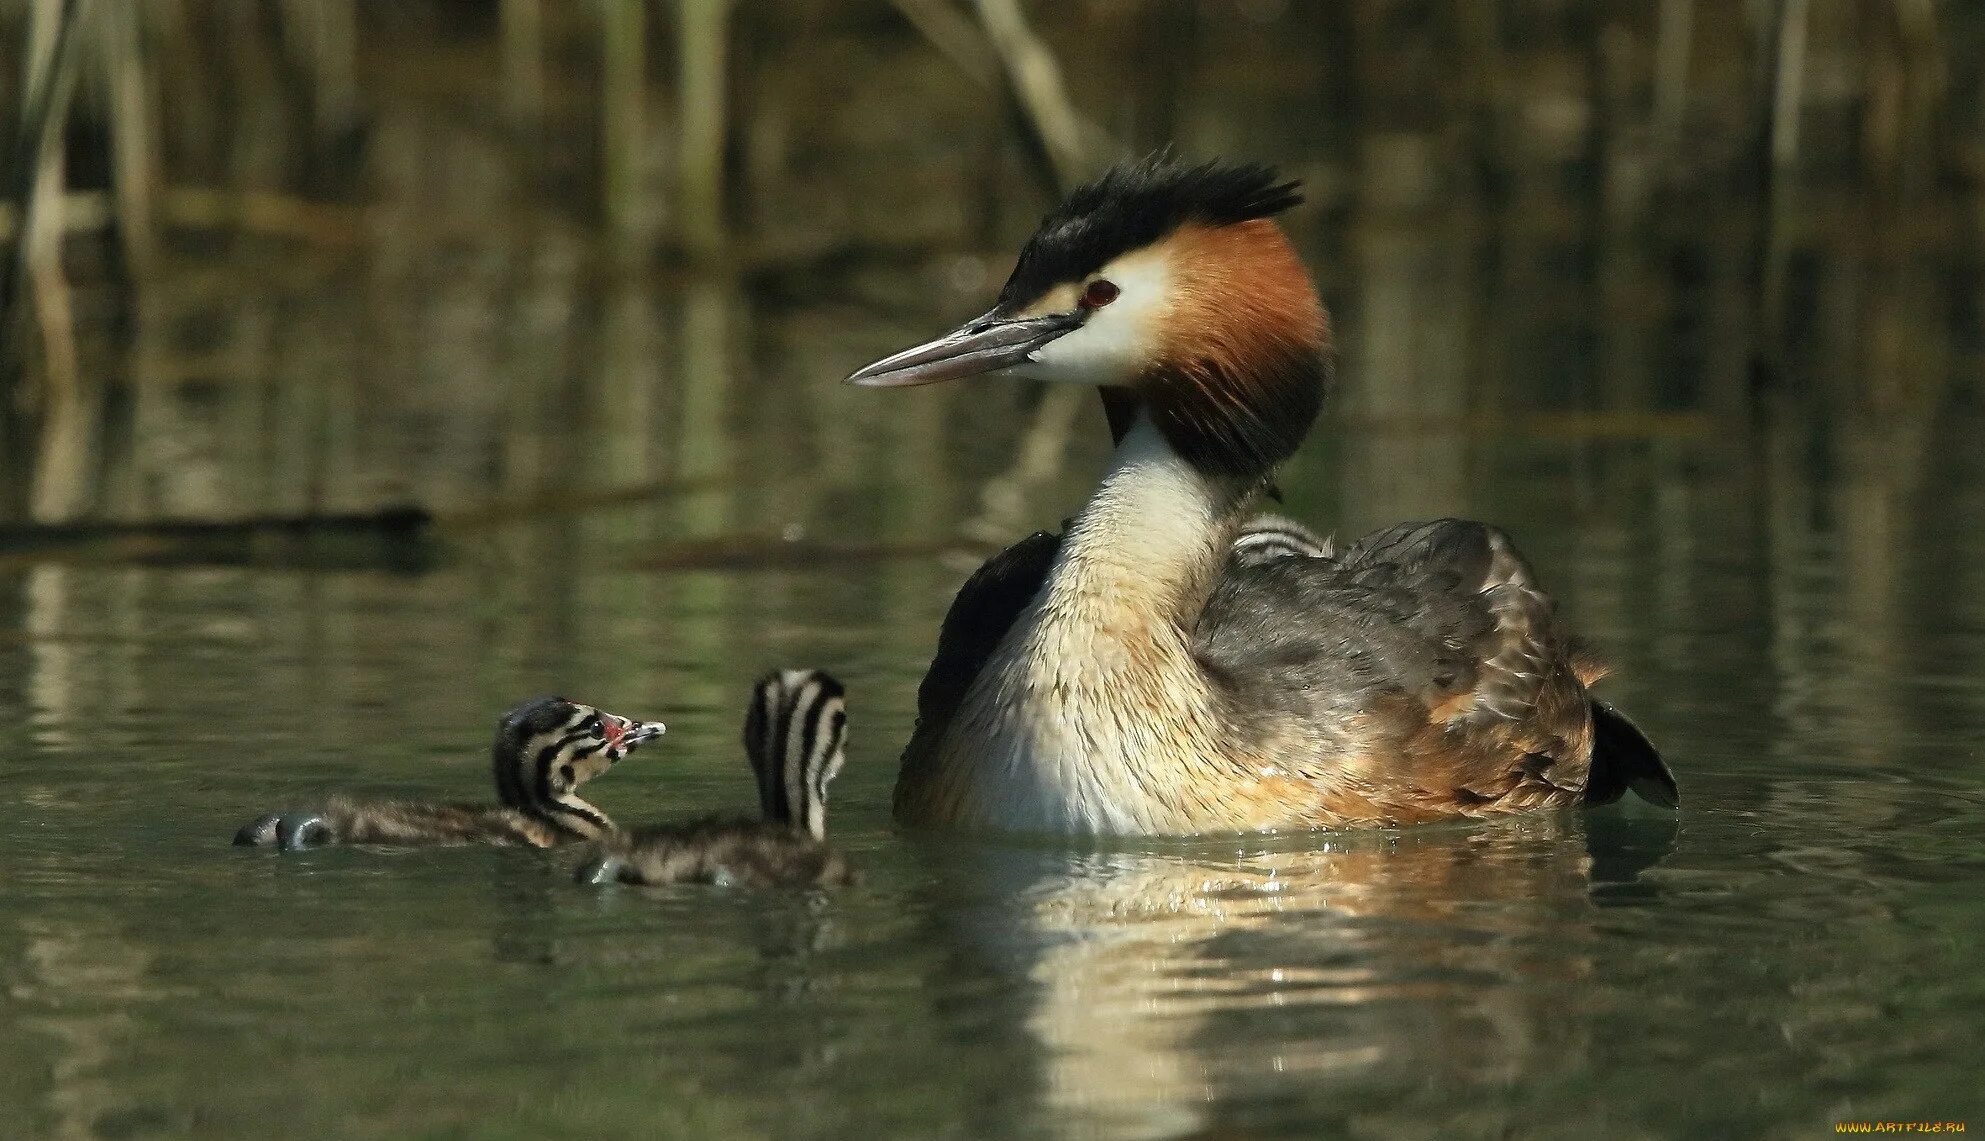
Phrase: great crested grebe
[544,750]
[794,735]
[1165,667]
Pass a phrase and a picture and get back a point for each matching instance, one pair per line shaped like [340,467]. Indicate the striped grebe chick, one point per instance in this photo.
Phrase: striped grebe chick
[1166,666]
[795,734]
[543,751]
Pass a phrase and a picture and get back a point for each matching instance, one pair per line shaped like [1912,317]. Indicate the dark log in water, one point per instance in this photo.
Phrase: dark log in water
[394,538]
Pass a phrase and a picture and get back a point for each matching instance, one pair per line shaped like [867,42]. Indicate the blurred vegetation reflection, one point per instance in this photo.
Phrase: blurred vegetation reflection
[294,259]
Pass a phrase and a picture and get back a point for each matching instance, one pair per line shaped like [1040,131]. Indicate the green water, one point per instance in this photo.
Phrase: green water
[1802,948]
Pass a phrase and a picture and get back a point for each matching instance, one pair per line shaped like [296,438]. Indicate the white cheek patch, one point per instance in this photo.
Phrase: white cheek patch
[1119,340]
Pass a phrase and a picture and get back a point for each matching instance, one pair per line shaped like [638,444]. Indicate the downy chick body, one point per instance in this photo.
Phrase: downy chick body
[543,751]
[795,737]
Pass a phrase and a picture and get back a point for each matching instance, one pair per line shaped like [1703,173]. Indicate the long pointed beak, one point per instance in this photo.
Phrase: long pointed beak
[985,344]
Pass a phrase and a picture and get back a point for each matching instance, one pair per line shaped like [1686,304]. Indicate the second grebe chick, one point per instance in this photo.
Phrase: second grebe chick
[795,736]
[1161,668]
[543,751]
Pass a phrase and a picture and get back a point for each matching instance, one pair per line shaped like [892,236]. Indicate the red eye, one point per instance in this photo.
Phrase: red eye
[1098,294]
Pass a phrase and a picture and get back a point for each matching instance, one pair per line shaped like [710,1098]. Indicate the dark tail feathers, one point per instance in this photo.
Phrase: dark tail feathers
[1622,759]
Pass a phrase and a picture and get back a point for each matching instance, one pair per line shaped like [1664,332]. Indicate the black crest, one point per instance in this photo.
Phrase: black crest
[1134,204]
[533,717]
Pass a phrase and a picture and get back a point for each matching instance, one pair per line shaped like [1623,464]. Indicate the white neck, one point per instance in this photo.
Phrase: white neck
[1153,527]
[1093,704]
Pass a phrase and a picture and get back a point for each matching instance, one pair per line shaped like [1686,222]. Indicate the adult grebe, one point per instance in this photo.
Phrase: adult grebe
[1164,668]
[543,751]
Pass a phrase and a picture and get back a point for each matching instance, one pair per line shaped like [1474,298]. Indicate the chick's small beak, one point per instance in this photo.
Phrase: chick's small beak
[622,734]
[985,344]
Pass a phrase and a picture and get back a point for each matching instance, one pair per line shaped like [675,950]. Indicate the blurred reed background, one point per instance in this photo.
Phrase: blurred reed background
[288,265]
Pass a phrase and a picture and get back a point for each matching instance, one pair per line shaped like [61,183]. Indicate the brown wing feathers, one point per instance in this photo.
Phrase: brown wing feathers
[1507,717]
